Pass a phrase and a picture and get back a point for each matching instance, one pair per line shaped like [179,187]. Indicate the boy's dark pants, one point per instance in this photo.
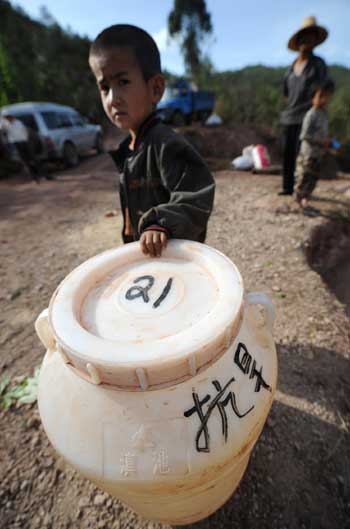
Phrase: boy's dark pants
[290,139]
[307,173]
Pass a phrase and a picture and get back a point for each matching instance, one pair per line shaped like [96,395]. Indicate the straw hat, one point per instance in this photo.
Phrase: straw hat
[309,24]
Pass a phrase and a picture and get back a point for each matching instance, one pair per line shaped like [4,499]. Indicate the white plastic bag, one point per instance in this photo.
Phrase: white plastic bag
[243,163]
[261,158]
[214,119]
[248,151]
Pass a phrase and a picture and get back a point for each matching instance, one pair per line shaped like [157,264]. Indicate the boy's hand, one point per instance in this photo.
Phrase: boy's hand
[153,242]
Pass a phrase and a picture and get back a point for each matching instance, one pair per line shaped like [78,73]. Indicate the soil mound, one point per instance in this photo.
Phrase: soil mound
[328,253]
[228,141]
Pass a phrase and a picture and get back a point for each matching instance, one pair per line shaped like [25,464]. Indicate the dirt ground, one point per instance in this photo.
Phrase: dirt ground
[299,473]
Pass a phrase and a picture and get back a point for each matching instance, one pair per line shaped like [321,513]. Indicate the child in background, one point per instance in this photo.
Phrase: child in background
[314,142]
[166,190]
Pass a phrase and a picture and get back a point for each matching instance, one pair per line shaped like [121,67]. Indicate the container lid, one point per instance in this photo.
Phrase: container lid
[137,323]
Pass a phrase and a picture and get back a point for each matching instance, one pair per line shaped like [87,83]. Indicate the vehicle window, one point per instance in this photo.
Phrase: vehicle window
[77,120]
[51,119]
[64,120]
[29,121]
[56,120]
[170,93]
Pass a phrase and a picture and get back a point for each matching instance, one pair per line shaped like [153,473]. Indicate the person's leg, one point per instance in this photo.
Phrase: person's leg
[32,161]
[313,170]
[28,159]
[296,146]
[296,132]
[44,170]
[291,135]
[22,156]
[288,160]
[13,152]
[308,171]
[302,178]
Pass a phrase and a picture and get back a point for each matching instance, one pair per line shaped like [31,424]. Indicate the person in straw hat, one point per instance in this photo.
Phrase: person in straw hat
[301,77]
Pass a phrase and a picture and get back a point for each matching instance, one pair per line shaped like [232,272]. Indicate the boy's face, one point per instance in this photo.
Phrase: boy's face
[321,99]
[126,97]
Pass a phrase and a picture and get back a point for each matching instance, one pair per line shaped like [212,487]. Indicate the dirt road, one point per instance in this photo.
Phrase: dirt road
[299,474]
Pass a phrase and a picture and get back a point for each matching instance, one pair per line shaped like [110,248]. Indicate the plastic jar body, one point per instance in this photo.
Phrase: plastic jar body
[173,454]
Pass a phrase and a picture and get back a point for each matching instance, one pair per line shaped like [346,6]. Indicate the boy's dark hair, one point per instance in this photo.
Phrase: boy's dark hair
[134,38]
[326,87]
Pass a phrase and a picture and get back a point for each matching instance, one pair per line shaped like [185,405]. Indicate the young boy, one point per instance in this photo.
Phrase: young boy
[166,190]
[314,142]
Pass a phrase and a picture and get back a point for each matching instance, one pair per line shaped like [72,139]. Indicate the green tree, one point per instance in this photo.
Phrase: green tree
[7,88]
[46,63]
[191,23]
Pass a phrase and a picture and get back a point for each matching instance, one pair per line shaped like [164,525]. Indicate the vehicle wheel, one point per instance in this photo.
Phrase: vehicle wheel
[203,116]
[99,144]
[70,155]
[178,119]
[189,119]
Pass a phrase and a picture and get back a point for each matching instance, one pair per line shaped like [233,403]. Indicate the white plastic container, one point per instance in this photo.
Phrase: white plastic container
[158,377]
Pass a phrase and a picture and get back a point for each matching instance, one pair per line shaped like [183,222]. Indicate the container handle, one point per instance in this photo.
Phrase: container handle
[260,298]
[43,330]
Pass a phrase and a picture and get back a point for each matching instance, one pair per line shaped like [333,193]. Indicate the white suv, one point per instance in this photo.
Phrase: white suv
[58,132]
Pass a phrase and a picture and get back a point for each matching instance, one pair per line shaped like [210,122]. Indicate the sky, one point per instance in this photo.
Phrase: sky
[245,32]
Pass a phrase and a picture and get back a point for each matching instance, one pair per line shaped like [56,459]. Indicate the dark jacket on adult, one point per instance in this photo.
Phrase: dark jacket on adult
[164,184]
[298,89]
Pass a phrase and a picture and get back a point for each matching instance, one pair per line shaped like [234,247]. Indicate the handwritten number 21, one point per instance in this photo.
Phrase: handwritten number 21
[138,291]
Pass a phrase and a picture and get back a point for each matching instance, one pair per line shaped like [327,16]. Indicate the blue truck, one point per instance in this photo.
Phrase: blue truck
[181,104]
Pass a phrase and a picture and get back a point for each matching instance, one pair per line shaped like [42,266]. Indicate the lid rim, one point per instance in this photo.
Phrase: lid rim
[227,316]
[85,373]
